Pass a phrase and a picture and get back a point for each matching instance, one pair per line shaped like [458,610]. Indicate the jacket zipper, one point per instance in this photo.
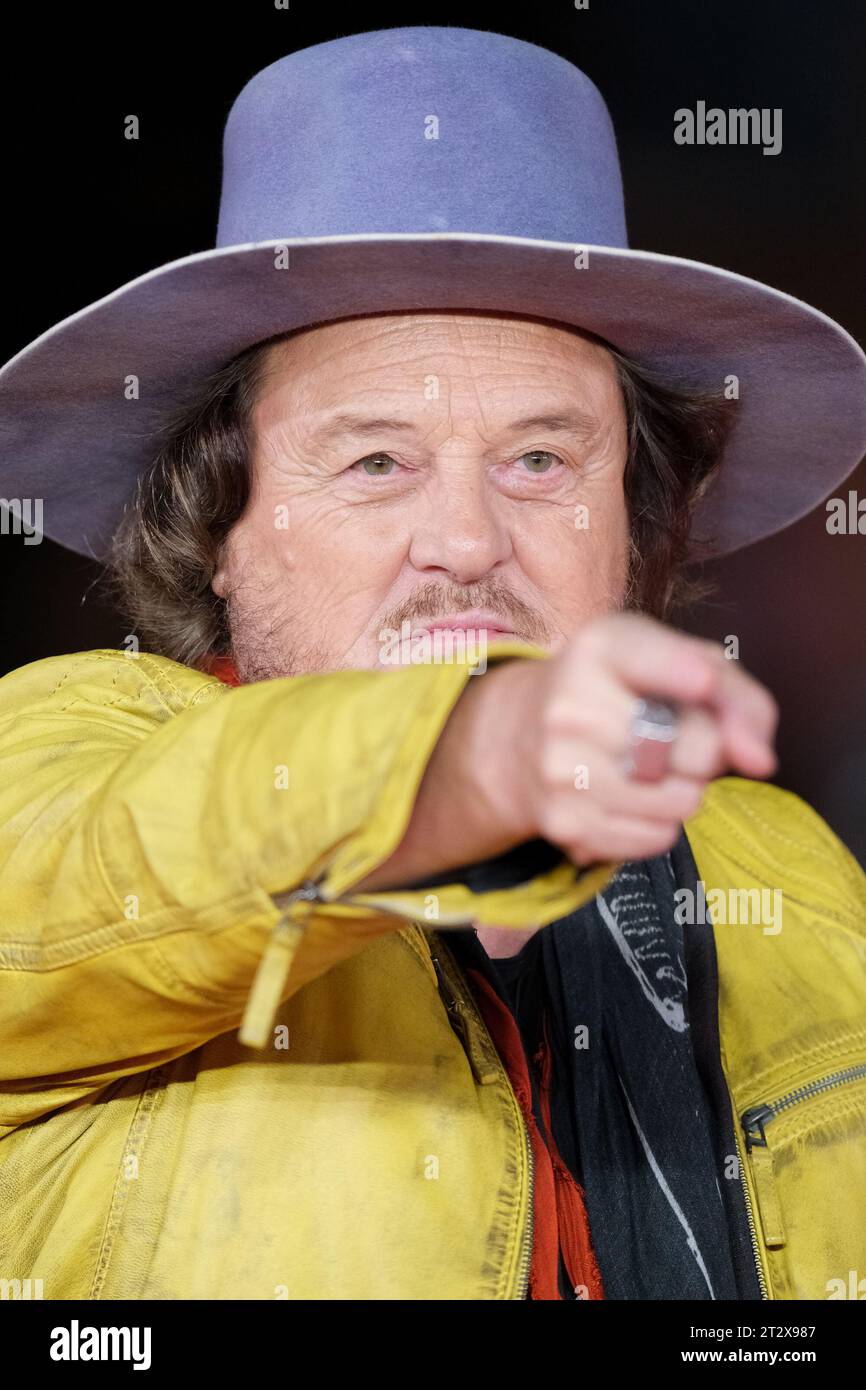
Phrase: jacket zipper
[529,1233]
[525,1263]
[463,1024]
[754,1121]
[270,980]
[750,1217]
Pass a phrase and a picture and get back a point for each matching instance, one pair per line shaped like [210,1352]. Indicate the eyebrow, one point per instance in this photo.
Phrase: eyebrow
[574,422]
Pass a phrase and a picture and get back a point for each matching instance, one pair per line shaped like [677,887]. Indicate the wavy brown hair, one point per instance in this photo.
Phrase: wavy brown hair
[166,549]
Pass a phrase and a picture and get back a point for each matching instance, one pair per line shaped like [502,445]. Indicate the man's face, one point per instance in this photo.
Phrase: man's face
[424,467]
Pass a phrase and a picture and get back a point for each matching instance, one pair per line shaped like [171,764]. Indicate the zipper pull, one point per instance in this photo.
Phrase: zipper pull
[763,1175]
[753,1122]
[273,970]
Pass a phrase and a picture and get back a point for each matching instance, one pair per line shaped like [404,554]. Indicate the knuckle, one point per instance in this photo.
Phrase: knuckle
[568,713]
[560,827]
[551,763]
[558,715]
[714,677]
[715,653]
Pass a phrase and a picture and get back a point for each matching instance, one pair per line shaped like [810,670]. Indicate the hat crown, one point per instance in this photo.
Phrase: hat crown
[416,130]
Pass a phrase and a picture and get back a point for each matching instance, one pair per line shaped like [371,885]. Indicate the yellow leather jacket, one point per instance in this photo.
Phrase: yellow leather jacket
[226,1075]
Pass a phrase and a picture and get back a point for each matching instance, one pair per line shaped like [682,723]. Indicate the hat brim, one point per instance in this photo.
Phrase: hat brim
[69,435]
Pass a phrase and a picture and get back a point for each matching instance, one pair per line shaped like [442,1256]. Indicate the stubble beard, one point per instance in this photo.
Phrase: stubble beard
[261,649]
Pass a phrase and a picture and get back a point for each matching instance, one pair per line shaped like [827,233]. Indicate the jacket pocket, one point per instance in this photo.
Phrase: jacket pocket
[806,1158]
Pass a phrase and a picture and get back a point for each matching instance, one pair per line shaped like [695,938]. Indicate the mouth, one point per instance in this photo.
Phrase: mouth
[479,624]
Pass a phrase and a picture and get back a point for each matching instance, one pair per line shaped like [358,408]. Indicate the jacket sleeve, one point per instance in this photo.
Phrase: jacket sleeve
[155,828]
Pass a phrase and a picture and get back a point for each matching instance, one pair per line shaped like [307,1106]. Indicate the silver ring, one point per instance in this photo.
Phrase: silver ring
[653,728]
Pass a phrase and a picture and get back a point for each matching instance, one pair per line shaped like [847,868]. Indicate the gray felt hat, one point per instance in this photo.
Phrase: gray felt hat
[422,168]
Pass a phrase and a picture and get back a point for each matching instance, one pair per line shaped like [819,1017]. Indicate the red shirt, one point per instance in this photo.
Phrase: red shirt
[560,1218]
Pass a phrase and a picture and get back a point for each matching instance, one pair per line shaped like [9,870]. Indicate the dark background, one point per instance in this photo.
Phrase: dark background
[87,210]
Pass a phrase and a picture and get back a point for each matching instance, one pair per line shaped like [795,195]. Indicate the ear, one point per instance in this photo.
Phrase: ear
[219,582]
[220,577]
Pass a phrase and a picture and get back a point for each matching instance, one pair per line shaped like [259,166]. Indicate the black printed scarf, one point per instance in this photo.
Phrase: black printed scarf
[639,1107]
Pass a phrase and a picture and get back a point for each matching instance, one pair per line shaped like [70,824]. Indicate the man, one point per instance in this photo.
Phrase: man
[331,972]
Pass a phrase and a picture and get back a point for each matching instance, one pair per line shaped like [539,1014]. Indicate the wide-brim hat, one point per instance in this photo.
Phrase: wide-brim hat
[413,169]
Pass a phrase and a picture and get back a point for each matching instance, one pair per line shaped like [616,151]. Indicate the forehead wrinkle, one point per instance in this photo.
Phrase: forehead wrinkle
[582,425]
[571,421]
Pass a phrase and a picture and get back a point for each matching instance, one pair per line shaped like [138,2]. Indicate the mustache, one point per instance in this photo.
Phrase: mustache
[437,600]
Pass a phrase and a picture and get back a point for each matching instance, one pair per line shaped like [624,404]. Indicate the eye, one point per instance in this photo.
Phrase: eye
[540,461]
[372,465]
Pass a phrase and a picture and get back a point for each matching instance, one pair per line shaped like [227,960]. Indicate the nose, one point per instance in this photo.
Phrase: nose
[461,532]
